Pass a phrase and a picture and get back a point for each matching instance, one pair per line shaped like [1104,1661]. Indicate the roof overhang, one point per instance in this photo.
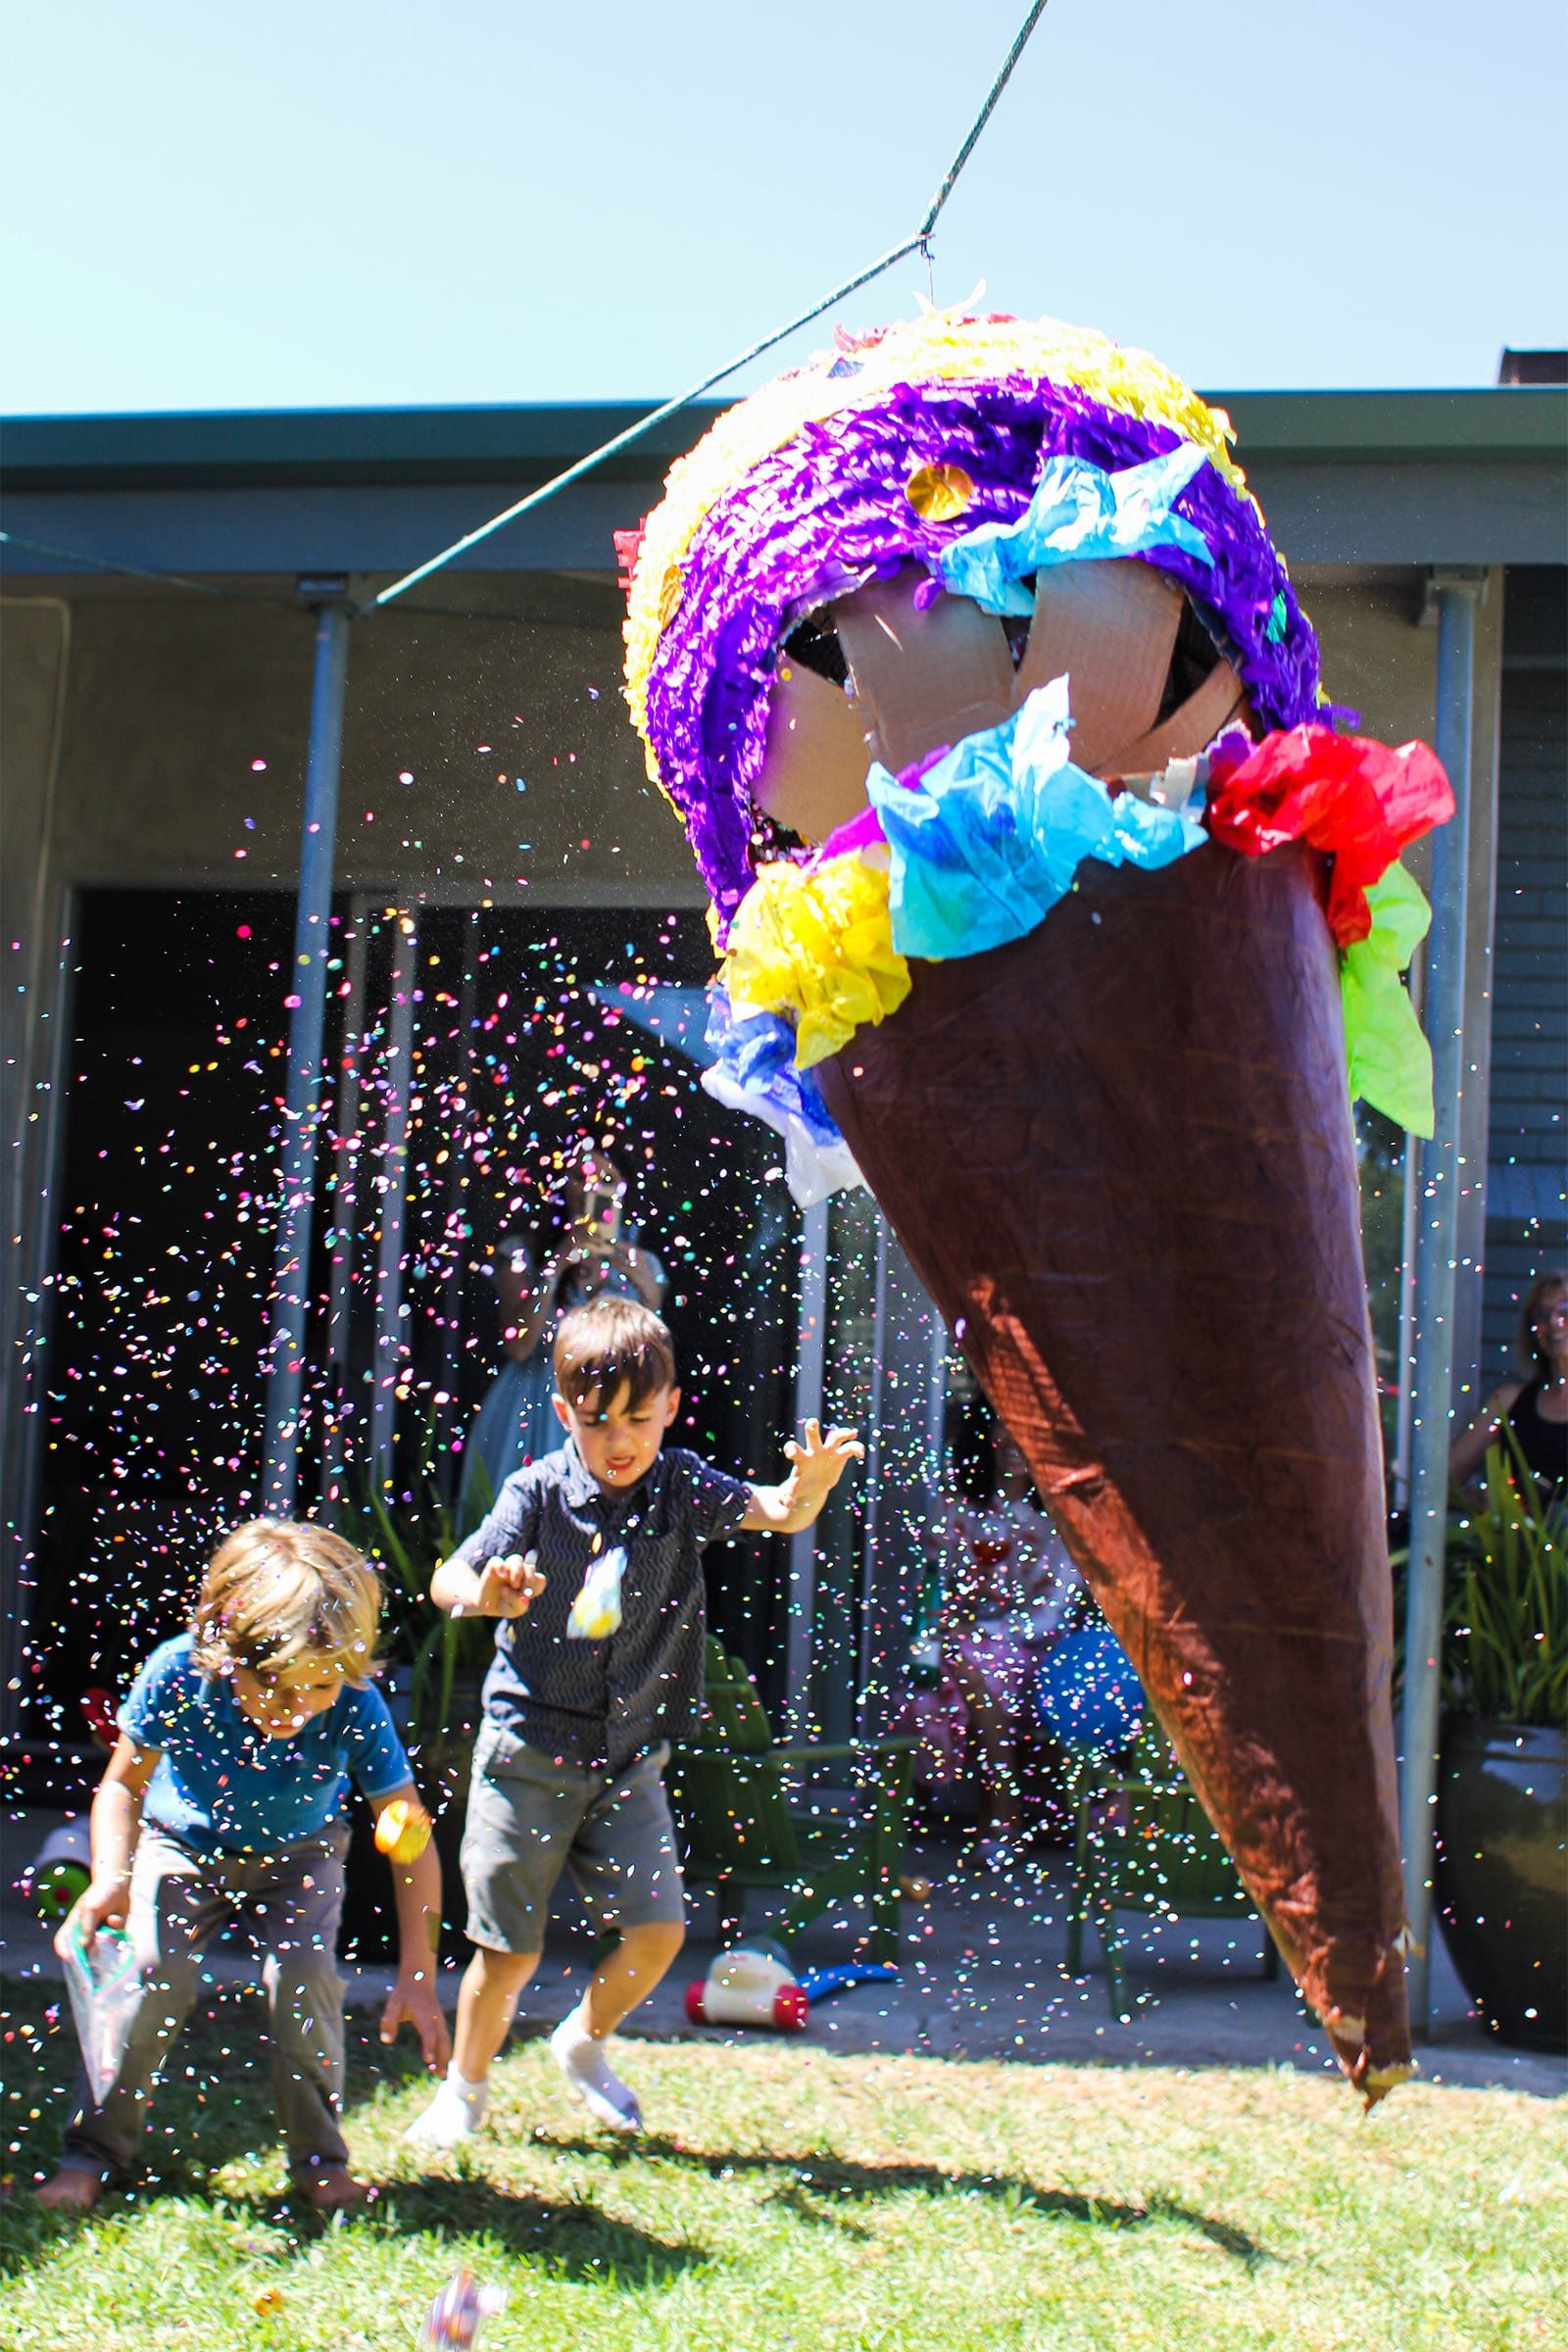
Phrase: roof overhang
[1344,477]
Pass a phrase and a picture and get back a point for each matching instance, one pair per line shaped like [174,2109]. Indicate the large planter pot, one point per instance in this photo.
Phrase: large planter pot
[1503,1874]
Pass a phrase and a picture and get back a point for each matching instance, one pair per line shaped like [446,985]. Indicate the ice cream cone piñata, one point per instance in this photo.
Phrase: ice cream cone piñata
[1054,906]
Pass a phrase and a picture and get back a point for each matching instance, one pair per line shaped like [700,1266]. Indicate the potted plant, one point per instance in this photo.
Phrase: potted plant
[1502,1878]
[445,1660]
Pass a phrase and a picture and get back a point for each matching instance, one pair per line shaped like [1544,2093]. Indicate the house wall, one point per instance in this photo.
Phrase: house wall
[173,705]
[1527,1206]
[1380,657]
[34,681]
[158,741]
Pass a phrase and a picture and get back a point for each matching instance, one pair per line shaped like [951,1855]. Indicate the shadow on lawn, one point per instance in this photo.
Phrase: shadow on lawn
[815,2184]
[572,2241]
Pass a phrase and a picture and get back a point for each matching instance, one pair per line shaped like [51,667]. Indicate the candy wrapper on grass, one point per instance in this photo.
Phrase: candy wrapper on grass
[996,728]
[455,2319]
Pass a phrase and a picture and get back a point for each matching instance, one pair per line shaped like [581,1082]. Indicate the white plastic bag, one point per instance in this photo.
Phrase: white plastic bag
[105,1985]
[596,1611]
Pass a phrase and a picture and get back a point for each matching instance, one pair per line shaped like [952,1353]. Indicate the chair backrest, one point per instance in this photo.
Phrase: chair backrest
[1167,1852]
[735,1813]
[734,1717]
[732,1801]
[1159,1845]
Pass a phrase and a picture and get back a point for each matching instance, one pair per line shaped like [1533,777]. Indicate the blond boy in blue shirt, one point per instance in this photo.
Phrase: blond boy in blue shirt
[222,1800]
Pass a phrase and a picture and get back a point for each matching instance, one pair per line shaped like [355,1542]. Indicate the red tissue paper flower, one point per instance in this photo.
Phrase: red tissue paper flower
[1355,799]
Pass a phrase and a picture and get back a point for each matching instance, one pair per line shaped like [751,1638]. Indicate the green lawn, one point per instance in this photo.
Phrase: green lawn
[790,2199]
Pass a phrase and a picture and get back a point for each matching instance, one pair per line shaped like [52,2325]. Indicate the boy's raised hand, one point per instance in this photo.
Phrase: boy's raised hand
[507,1586]
[817,1466]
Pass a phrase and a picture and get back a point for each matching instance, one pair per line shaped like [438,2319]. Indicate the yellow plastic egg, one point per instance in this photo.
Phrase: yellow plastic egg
[403,1830]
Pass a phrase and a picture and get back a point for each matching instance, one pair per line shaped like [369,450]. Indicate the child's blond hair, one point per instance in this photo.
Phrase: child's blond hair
[278,1592]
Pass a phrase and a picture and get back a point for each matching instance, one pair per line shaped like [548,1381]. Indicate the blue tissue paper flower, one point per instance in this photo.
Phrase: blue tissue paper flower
[1077,511]
[986,840]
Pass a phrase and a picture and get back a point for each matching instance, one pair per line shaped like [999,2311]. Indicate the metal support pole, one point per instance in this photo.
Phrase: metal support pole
[808,1368]
[1437,1228]
[873,1489]
[393,1185]
[347,1148]
[304,1090]
[348,1141]
[940,1343]
[1409,1226]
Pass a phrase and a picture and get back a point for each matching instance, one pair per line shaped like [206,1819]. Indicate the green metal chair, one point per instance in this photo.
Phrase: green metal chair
[1143,1843]
[750,1818]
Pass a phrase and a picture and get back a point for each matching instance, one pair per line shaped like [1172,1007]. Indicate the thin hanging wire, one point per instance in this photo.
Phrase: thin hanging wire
[919,242]
[138,572]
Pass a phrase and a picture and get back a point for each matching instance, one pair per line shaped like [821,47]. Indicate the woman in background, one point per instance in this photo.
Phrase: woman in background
[517,1422]
[1535,1408]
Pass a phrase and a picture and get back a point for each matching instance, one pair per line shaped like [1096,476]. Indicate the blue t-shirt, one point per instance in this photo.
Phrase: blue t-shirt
[220,1781]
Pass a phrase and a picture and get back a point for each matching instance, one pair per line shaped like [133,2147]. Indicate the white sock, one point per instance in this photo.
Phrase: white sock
[600,2090]
[453,2115]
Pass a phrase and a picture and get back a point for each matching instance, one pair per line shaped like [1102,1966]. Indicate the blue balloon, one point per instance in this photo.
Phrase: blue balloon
[1087,1695]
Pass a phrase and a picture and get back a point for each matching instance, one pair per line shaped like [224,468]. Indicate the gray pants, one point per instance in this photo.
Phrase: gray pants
[180,1901]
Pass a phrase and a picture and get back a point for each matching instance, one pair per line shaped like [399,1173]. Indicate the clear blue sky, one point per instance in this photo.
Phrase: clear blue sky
[217,205]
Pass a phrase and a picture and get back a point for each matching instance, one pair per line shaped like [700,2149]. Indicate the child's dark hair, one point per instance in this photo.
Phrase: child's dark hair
[608,1344]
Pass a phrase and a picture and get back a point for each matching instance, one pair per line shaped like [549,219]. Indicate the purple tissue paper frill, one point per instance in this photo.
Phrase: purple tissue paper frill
[831,503]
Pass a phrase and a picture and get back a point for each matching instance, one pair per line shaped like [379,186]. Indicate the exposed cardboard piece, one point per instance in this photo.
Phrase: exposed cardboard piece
[1111,627]
[1190,730]
[923,679]
[813,773]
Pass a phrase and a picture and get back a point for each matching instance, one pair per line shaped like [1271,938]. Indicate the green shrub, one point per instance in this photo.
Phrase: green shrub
[1505,1630]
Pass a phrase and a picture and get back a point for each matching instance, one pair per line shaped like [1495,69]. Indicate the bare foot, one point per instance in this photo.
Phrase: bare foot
[72,2190]
[334,2189]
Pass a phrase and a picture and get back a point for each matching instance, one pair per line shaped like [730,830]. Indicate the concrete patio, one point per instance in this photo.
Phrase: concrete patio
[983,1977]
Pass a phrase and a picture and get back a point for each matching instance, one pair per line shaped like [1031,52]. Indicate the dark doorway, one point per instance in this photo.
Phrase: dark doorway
[524,1042]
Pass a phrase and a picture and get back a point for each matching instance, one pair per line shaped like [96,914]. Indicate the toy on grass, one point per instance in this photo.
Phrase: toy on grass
[454,2320]
[751,1984]
[1053,907]
[61,1871]
[403,1830]
[756,1985]
[819,1983]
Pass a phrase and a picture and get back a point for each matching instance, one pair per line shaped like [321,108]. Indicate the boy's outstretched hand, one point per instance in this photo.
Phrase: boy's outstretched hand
[815,1468]
[824,1459]
[508,1587]
[413,2000]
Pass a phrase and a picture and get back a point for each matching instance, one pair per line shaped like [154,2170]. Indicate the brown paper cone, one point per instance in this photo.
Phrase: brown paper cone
[1119,1154]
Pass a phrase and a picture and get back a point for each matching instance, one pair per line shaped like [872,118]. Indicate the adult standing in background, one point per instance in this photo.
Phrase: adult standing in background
[592,1251]
[1535,1408]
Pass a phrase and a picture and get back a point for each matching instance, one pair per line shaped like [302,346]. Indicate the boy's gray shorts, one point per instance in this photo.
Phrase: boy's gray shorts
[530,1816]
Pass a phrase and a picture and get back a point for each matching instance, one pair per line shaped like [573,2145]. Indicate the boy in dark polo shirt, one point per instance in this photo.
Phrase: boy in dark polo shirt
[592,1561]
